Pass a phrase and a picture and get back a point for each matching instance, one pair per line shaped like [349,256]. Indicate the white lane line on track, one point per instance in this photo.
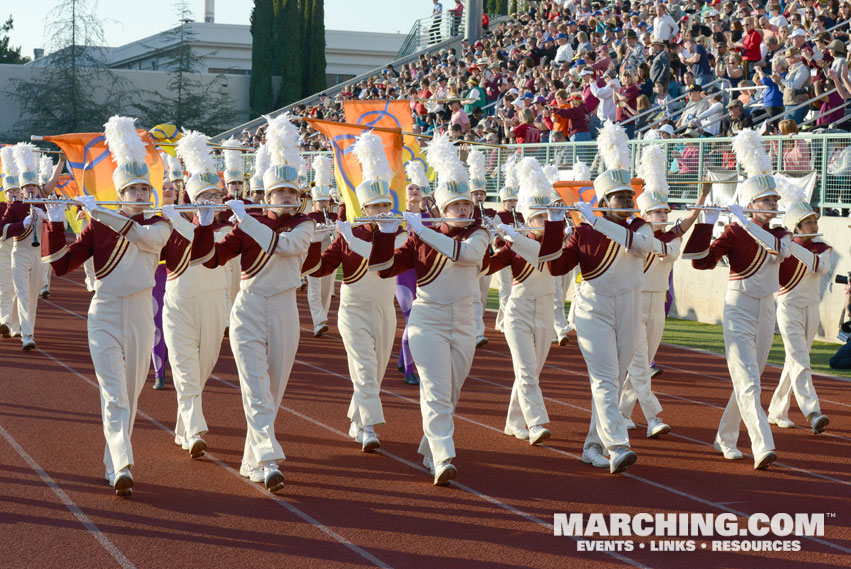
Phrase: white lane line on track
[277,499]
[68,502]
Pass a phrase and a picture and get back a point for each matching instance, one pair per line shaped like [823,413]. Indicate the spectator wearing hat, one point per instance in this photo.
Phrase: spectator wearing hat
[564,53]
[660,67]
[737,120]
[635,55]
[476,97]
[697,104]
[795,83]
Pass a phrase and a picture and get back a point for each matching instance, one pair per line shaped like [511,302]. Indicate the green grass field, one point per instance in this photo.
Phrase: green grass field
[709,337]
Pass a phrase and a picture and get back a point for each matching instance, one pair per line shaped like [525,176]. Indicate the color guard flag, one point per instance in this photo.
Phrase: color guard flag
[91,163]
[389,114]
[347,170]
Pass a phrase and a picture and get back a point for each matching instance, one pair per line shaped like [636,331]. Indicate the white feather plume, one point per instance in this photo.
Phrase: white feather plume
[417,174]
[174,164]
[613,144]
[552,173]
[282,142]
[262,160]
[369,151]
[509,172]
[444,160]
[25,157]
[322,171]
[233,158]
[125,144]
[580,172]
[790,191]
[7,155]
[652,169]
[476,162]
[45,169]
[195,152]
[533,181]
[751,154]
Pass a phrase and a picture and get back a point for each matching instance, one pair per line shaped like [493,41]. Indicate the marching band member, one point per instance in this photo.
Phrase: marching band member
[754,252]
[261,164]
[528,312]
[653,203]
[159,354]
[367,316]
[797,316]
[610,252]
[47,176]
[126,247]
[23,223]
[486,216]
[508,216]
[234,183]
[9,323]
[416,193]
[195,310]
[264,323]
[319,288]
[441,338]
[174,174]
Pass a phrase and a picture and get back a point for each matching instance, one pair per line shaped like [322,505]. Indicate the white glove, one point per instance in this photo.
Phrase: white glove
[238,209]
[87,203]
[169,212]
[736,210]
[586,210]
[206,214]
[390,225]
[414,222]
[568,231]
[32,218]
[56,212]
[508,232]
[345,229]
[710,216]
[555,214]
[232,220]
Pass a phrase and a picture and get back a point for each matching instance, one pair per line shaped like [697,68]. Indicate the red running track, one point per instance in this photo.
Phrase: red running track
[344,508]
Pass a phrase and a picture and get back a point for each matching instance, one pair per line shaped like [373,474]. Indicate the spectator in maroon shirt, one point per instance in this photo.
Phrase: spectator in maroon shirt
[626,103]
[571,117]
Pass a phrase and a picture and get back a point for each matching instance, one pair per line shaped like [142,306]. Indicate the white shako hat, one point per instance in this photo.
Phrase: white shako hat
[613,145]
[262,161]
[282,144]
[234,165]
[795,201]
[375,168]
[10,168]
[511,184]
[194,150]
[416,173]
[651,169]
[321,189]
[128,152]
[536,189]
[174,169]
[754,160]
[478,178]
[27,161]
[453,180]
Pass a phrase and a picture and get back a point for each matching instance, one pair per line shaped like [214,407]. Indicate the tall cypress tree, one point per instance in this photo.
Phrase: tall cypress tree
[262,62]
[288,24]
[317,80]
[306,46]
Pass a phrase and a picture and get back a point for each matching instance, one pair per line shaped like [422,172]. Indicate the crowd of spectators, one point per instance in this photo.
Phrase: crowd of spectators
[560,68]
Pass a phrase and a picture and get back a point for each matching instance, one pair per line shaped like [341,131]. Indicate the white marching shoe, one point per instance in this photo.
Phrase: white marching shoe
[622,457]
[123,482]
[782,422]
[272,478]
[593,455]
[630,424]
[656,428]
[818,422]
[516,432]
[444,471]
[252,473]
[538,434]
[729,453]
[370,440]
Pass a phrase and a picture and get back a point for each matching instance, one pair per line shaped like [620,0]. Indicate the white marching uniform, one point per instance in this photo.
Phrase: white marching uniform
[561,326]
[195,314]
[503,280]
[798,320]
[120,319]
[749,313]
[654,291]
[28,277]
[447,263]
[264,322]
[607,304]
[8,300]
[319,291]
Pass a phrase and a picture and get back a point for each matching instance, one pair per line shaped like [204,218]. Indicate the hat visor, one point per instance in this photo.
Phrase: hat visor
[132,181]
[203,189]
[657,207]
[282,186]
[620,188]
[445,205]
[377,200]
[766,194]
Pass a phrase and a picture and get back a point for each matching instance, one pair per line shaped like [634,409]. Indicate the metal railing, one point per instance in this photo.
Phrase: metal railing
[430,31]
[692,161]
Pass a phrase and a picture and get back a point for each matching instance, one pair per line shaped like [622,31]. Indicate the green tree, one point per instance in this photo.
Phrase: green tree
[9,54]
[288,35]
[75,91]
[317,81]
[192,102]
[260,93]
[306,45]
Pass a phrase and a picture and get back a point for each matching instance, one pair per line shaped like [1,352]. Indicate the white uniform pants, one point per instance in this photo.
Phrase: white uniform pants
[637,384]
[368,329]
[193,328]
[45,283]
[121,336]
[233,272]
[8,300]
[443,343]
[89,268]
[319,297]
[528,330]
[748,333]
[562,285]
[606,328]
[798,328]
[503,286]
[264,335]
[480,303]
[27,275]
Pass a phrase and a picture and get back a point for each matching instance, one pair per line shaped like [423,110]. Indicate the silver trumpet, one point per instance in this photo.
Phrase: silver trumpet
[726,209]
[574,208]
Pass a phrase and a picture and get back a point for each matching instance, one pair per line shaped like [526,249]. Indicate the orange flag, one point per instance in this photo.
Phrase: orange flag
[91,163]
[572,192]
[389,114]
[347,170]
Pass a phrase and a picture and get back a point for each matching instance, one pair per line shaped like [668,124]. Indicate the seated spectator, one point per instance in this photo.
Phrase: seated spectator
[738,120]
